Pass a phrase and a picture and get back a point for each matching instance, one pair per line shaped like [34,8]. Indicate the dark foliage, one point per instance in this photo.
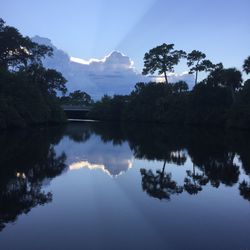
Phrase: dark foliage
[27,89]
[162,59]
[220,101]
[206,105]
[25,166]
[212,152]
[246,65]
[78,97]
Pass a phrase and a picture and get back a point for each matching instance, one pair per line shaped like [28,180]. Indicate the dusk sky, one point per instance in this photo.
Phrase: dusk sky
[124,124]
[92,29]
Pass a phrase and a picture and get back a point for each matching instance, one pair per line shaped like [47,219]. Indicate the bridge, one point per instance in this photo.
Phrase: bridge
[76,111]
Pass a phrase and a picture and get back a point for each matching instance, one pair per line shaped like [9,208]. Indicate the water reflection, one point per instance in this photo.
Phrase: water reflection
[28,161]
[159,185]
[112,168]
[194,181]
[87,150]
[31,159]
[245,190]
[217,156]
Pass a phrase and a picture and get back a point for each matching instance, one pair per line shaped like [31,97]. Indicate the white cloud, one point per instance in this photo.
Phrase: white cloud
[79,60]
[114,63]
[113,74]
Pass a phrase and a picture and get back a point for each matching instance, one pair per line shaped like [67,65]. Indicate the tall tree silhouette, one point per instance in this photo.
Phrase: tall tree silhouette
[196,59]
[162,58]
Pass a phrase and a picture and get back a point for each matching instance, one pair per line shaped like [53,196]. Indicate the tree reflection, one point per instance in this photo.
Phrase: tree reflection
[222,172]
[159,185]
[24,170]
[219,167]
[212,152]
[244,188]
[194,181]
[79,132]
[19,197]
[28,160]
[178,157]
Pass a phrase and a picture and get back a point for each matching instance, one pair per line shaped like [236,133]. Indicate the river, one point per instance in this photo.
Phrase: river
[95,185]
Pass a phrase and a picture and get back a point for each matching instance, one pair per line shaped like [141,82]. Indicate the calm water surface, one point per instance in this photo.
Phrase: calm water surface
[109,186]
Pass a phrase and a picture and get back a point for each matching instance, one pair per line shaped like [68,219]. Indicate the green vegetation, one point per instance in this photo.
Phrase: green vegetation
[220,100]
[27,89]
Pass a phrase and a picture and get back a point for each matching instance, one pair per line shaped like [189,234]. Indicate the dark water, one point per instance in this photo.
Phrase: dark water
[110,186]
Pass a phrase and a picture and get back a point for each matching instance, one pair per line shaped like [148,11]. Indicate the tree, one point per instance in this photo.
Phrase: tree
[180,86]
[214,78]
[194,181]
[162,58]
[197,60]
[246,65]
[79,97]
[231,78]
[49,80]
[17,50]
[28,90]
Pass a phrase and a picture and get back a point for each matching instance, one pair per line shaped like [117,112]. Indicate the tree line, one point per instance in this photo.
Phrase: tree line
[221,99]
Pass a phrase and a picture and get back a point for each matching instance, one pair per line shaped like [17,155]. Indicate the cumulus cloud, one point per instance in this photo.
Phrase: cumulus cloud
[113,74]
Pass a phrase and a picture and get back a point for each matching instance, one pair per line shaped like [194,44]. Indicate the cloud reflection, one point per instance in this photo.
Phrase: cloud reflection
[93,154]
[120,167]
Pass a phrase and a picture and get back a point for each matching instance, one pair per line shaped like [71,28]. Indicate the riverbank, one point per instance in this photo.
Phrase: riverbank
[25,115]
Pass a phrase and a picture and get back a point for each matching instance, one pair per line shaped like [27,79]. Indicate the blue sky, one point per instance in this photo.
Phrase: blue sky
[92,29]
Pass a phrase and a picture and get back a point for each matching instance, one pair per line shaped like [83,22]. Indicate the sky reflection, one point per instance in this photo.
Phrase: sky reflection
[191,186]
